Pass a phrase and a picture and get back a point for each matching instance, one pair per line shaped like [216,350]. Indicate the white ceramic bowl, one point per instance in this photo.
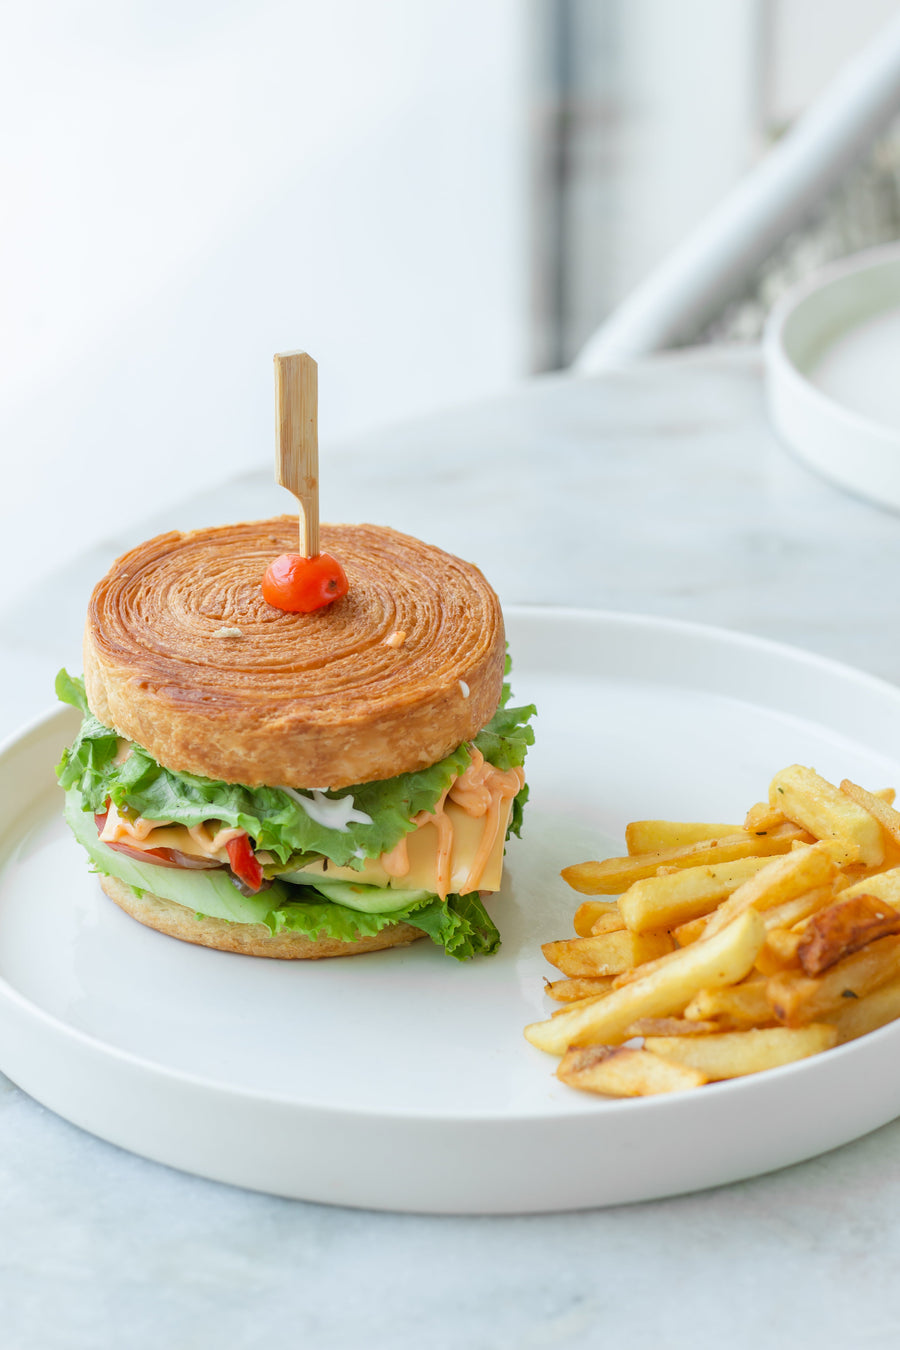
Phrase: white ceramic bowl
[831,353]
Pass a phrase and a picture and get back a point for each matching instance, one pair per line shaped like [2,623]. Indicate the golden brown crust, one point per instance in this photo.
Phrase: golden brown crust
[305,700]
[248,939]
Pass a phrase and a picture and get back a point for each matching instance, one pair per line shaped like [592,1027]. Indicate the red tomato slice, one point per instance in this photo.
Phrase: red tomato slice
[163,857]
[244,863]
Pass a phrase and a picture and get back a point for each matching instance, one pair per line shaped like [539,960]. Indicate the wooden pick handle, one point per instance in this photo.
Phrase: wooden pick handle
[297,440]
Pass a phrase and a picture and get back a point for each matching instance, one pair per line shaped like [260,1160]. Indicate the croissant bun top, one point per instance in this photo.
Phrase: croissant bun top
[184,656]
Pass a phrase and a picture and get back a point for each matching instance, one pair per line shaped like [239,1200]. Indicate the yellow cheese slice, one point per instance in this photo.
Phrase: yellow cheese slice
[422,849]
[172,836]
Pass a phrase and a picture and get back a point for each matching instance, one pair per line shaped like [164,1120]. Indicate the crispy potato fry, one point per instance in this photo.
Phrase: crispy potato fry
[663,991]
[683,894]
[669,1026]
[882,811]
[607,954]
[586,986]
[607,923]
[791,912]
[576,1003]
[784,915]
[615,875]
[589,911]
[883,886]
[741,1005]
[807,799]
[626,977]
[843,928]
[689,932]
[623,1071]
[762,817]
[732,1054]
[787,932]
[779,951]
[782,879]
[648,836]
[859,1016]
[797,999]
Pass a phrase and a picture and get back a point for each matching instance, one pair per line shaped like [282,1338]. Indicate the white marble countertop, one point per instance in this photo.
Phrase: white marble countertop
[658,490]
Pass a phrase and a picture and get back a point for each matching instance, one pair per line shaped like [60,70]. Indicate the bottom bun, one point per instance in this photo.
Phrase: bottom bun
[250,939]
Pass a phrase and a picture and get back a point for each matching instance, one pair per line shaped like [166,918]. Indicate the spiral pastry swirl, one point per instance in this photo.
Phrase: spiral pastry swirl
[184,656]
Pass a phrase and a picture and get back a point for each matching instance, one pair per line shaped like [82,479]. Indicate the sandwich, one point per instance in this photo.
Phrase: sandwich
[297,785]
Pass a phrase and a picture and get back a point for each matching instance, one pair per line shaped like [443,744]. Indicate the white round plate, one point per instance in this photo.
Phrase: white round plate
[830,351]
[401,1079]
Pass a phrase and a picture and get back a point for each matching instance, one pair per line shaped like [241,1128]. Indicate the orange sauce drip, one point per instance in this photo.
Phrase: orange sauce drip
[481,791]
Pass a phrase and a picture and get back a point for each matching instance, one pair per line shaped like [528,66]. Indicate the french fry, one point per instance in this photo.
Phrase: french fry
[807,799]
[576,1003]
[607,923]
[684,894]
[589,911]
[787,932]
[570,991]
[622,1071]
[761,818]
[663,991]
[797,999]
[790,912]
[648,836]
[669,1026]
[607,954]
[882,811]
[843,928]
[689,932]
[740,1005]
[883,886]
[779,951]
[615,875]
[859,1016]
[784,915]
[782,879]
[732,1054]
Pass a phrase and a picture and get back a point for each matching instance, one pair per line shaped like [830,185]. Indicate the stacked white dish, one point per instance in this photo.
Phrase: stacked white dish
[831,351]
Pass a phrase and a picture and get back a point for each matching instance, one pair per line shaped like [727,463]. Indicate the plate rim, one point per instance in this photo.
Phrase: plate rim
[774,345]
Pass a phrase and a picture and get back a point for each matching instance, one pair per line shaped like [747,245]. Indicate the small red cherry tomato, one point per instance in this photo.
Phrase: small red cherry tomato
[244,862]
[300,585]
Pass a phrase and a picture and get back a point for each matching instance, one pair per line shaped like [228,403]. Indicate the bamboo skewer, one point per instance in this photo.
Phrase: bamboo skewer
[297,440]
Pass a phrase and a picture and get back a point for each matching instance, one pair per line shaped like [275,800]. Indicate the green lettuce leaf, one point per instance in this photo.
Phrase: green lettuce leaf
[72,692]
[507,736]
[272,817]
[461,924]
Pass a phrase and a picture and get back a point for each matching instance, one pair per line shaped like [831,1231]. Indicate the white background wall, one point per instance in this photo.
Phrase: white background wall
[187,186]
[191,185]
[809,39]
